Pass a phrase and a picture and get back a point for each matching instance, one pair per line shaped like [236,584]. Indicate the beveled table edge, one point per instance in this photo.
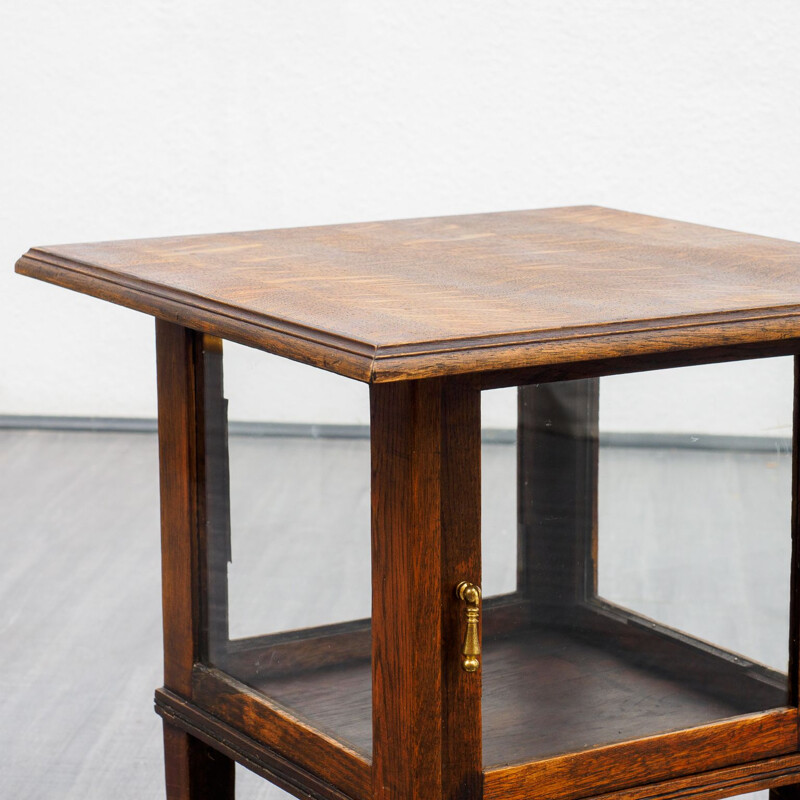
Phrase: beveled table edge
[375,363]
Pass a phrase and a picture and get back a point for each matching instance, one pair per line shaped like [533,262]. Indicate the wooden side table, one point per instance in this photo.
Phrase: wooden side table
[468,699]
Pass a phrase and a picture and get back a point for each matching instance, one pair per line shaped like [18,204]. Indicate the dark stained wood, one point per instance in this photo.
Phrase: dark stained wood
[193,769]
[231,742]
[430,297]
[656,758]
[280,730]
[276,655]
[553,690]
[706,682]
[550,691]
[215,513]
[177,350]
[668,359]
[426,539]
[323,675]
[462,768]
[557,452]
[335,701]
[190,766]
[729,676]
[476,357]
[575,698]
[717,783]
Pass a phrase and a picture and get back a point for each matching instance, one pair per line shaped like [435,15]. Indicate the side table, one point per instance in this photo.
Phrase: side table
[549,691]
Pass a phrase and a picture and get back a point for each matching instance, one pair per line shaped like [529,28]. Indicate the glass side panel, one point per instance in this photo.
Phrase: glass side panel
[654,557]
[706,548]
[290,578]
[499,491]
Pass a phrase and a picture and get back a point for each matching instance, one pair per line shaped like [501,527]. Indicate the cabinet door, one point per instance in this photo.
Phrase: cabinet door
[651,612]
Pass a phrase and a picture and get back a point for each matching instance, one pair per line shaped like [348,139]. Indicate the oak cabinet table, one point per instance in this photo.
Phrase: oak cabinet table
[546,691]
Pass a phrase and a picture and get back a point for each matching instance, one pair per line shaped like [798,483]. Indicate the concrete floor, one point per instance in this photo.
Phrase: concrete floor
[80,641]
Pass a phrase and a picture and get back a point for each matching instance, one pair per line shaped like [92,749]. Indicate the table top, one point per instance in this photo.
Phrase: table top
[419,298]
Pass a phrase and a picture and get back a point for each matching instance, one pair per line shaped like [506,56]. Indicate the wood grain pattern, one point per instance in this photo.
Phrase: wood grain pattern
[430,297]
[109,488]
[538,684]
[192,769]
[709,785]
[409,305]
[177,350]
[714,670]
[649,760]
[770,772]
[293,738]
[425,539]
[234,744]
[462,774]
[277,655]
[642,362]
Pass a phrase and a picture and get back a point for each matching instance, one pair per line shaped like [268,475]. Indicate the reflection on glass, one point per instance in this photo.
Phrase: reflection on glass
[288,528]
[706,548]
[498,491]
[654,554]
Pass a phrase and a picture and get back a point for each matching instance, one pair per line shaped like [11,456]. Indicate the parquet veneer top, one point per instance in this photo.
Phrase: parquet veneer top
[422,297]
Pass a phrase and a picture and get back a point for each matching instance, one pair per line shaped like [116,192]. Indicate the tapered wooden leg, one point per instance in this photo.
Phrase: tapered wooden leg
[425,540]
[557,495]
[194,771]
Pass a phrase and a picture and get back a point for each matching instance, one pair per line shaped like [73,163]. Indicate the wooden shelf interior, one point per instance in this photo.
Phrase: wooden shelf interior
[600,677]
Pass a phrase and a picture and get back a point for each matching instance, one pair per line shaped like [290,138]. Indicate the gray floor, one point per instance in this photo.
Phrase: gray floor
[80,651]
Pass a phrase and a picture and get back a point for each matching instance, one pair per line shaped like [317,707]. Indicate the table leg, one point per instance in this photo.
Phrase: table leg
[426,539]
[193,770]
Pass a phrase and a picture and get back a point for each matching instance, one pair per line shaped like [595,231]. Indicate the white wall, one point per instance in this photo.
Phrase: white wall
[166,116]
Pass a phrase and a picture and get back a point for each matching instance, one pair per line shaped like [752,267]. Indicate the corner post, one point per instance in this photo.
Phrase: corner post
[425,541]
[193,770]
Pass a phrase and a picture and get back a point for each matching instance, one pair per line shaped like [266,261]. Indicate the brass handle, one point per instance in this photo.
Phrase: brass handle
[470,595]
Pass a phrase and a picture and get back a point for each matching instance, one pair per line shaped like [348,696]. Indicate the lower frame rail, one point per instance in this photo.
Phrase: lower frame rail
[241,748]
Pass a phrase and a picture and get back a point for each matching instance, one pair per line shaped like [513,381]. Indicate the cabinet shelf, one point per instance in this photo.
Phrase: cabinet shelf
[600,677]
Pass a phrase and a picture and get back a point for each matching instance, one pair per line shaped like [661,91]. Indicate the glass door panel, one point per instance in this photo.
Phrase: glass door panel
[654,551]
[288,540]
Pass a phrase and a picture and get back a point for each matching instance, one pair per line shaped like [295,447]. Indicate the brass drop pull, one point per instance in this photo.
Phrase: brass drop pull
[470,595]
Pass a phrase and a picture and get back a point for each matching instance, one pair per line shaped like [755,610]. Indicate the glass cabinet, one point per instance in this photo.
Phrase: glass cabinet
[636,561]
[555,555]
